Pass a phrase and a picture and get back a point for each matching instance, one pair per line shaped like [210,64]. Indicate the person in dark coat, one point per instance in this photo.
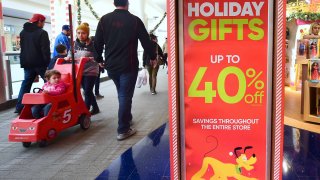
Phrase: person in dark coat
[35,54]
[152,66]
[118,32]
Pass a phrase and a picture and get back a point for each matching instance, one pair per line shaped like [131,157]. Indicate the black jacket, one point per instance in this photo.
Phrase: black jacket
[119,32]
[54,60]
[147,58]
[35,46]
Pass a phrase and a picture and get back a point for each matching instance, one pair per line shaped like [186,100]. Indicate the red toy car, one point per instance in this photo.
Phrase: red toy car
[66,110]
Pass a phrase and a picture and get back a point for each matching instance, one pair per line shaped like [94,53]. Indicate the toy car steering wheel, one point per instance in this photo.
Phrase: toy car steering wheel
[37,90]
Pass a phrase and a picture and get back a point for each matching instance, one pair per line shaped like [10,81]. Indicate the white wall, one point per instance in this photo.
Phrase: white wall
[17,22]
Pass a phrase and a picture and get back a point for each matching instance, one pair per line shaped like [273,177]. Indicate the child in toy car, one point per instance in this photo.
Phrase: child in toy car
[53,86]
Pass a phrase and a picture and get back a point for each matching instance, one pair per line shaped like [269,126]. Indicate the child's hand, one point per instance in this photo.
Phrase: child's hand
[68,59]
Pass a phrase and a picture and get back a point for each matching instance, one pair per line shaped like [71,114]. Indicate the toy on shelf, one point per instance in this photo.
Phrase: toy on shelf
[313,48]
[314,71]
[301,49]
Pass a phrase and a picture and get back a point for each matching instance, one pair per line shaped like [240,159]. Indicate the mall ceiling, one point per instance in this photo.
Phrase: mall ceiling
[25,8]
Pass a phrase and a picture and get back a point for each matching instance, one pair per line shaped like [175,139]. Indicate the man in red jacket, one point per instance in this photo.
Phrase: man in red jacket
[34,55]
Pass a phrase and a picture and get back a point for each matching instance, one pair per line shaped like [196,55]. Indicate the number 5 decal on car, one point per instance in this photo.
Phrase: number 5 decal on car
[66,116]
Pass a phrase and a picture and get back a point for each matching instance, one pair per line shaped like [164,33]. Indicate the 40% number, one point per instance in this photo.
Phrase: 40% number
[208,93]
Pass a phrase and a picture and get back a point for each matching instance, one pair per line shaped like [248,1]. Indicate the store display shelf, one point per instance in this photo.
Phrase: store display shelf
[312,118]
[311,102]
[314,84]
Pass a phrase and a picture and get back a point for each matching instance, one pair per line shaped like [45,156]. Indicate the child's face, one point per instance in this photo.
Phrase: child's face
[54,79]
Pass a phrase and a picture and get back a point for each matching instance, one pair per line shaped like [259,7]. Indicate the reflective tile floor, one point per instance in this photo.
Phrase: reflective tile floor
[301,154]
[149,158]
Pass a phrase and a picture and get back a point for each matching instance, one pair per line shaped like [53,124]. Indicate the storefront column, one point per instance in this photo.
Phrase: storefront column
[2,49]
[59,15]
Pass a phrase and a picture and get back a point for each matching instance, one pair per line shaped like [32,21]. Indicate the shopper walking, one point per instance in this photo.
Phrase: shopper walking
[165,52]
[62,38]
[119,32]
[97,82]
[152,66]
[35,54]
[84,47]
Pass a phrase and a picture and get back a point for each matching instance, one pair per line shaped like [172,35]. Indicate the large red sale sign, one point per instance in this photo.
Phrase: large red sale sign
[225,88]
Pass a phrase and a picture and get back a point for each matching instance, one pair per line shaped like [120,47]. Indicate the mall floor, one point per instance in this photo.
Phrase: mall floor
[301,150]
[82,155]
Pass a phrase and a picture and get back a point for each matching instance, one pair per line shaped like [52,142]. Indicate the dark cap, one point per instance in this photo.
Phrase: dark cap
[66,27]
[37,17]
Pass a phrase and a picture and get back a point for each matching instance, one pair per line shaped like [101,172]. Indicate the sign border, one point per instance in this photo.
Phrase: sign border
[277,91]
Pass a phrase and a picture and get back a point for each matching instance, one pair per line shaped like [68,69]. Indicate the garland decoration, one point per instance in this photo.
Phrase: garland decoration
[79,11]
[305,16]
[91,9]
[156,27]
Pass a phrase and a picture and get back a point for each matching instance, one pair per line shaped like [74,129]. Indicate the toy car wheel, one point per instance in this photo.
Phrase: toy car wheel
[52,133]
[43,143]
[26,144]
[84,121]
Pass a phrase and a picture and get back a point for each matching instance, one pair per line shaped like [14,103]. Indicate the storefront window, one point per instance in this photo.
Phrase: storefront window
[12,38]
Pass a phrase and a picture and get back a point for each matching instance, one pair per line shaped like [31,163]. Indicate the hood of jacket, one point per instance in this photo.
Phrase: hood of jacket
[30,27]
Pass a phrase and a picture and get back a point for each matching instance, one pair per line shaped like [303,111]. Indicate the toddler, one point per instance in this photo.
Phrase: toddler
[53,87]
[62,53]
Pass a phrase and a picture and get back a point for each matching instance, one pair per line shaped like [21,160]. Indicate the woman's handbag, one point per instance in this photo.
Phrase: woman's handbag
[160,60]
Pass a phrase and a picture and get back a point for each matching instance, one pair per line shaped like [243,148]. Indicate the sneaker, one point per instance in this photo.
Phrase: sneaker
[94,111]
[99,96]
[127,134]
[154,92]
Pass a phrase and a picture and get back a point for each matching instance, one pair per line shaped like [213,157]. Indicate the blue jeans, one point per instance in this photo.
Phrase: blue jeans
[125,84]
[29,76]
[40,110]
[87,84]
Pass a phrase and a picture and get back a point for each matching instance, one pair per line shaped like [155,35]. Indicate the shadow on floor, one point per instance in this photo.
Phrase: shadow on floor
[148,159]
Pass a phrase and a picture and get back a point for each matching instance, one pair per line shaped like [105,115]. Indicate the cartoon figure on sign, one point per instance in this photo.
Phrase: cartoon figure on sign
[228,170]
